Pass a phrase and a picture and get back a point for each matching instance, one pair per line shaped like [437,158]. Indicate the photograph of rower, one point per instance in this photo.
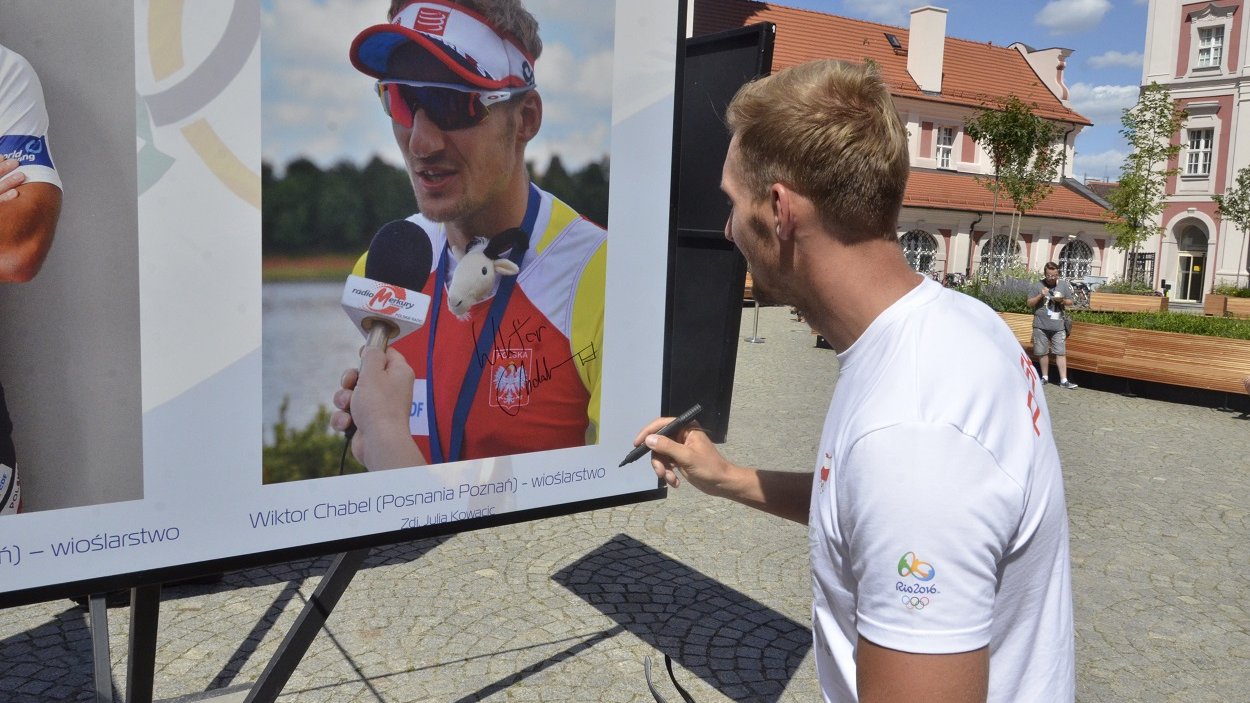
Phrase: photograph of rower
[508,360]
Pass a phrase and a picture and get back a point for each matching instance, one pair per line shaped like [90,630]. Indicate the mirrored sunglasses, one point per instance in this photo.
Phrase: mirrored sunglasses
[449,107]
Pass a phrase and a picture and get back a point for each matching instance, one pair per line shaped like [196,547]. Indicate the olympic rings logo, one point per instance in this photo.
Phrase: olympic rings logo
[915,603]
[910,565]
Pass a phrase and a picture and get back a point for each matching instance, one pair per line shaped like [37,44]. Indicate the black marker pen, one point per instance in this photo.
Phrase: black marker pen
[666,431]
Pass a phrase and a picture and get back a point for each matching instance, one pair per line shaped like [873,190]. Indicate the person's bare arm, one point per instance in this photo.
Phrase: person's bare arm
[884,675]
[692,455]
[28,216]
[376,399]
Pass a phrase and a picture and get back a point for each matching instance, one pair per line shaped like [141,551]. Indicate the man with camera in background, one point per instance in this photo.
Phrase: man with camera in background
[1049,298]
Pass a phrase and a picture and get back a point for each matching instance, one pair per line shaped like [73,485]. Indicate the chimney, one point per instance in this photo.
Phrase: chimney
[926,43]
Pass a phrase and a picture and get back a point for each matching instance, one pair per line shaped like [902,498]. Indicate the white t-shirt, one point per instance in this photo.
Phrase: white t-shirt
[938,522]
[24,120]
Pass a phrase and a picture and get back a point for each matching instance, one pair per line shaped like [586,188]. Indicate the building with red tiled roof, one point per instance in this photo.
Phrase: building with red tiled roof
[938,82]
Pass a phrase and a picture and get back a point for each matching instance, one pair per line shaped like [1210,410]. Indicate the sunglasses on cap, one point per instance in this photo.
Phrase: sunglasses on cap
[449,107]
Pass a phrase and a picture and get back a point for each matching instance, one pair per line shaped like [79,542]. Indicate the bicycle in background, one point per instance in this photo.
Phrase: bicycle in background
[1080,293]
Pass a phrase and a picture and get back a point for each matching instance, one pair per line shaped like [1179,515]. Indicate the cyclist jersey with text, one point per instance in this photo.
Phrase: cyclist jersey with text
[540,375]
[24,120]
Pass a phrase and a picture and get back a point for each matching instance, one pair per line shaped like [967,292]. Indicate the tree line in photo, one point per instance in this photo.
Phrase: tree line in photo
[310,211]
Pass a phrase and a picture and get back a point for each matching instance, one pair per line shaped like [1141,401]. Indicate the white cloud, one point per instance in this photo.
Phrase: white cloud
[1104,165]
[896,12]
[1112,59]
[573,86]
[591,22]
[1067,16]
[314,102]
[1103,104]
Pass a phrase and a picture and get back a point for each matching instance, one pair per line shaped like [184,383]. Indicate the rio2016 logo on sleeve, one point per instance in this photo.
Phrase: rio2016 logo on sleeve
[920,594]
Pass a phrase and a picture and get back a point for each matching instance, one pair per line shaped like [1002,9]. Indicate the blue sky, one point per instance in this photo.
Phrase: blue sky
[1103,74]
[317,105]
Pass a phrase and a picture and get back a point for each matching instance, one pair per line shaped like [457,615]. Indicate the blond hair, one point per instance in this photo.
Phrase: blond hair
[507,16]
[828,130]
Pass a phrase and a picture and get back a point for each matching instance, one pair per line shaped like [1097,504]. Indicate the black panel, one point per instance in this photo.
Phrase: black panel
[707,273]
[716,65]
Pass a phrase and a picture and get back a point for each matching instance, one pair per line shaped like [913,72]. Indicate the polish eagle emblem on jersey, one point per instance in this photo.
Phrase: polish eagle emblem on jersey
[509,381]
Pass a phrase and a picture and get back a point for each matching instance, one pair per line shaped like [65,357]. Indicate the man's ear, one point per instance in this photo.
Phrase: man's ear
[783,203]
[529,116]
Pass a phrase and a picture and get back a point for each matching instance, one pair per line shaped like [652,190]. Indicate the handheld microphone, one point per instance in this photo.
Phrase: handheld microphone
[386,303]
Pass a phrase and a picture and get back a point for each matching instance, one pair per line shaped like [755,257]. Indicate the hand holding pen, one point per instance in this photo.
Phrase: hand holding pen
[670,429]
[683,450]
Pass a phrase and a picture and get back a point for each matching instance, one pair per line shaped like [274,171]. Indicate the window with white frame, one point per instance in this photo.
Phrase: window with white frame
[1075,259]
[998,253]
[1198,156]
[945,147]
[919,248]
[1210,46]
[1210,26]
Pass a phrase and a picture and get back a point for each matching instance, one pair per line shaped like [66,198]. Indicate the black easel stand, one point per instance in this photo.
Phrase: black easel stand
[145,605]
[310,621]
[145,608]
[97,609]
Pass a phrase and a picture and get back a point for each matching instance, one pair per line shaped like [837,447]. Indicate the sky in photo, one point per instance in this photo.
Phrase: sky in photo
[317,106]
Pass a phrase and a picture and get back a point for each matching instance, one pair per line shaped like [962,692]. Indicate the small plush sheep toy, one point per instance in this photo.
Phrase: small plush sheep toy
[480,265]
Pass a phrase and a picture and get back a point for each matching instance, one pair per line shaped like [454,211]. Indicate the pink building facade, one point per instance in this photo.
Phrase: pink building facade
[1200,51]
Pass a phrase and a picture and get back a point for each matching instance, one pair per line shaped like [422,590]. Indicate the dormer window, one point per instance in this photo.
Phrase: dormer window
[945,147]
[1210,46]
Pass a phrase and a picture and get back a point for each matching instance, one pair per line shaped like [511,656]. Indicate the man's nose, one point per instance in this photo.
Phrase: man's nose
[729,221]
[425,138]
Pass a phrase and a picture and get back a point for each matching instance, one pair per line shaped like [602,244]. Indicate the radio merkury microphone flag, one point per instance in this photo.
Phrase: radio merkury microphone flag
[386,303]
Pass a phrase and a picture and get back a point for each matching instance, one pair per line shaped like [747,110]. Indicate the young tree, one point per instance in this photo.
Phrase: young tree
[1234,206]
[1025,156]
[1138,200]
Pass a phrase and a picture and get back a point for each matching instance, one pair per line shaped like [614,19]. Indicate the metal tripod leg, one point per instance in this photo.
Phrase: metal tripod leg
[102,669]
[310,621]
[145,605]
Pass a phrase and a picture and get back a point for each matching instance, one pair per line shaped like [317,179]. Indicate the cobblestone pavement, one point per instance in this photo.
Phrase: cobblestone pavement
[566,609]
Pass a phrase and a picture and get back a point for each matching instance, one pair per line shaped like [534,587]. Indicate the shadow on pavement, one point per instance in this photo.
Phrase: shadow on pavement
[50,661]
[739,646]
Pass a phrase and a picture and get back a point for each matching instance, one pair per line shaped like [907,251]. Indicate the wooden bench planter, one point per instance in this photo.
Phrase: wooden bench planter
[1194,361]
[1237,307]
[1213,304]
[1123,302]
[1222,305]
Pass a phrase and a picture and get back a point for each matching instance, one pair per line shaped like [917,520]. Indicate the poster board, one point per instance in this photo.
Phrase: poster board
[189,319]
